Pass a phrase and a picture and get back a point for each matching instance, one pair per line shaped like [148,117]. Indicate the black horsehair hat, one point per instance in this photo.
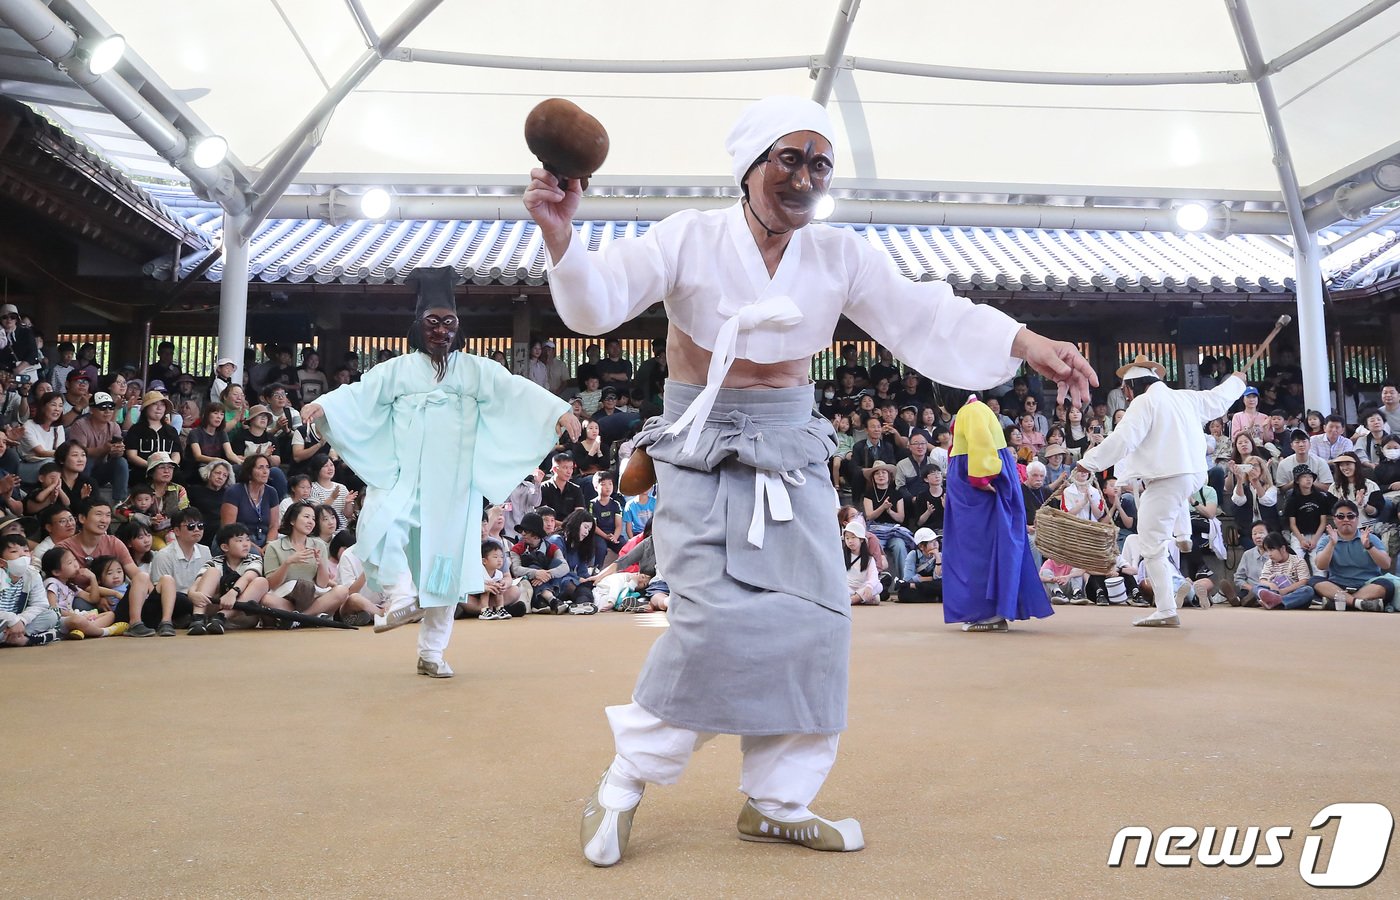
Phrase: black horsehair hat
[435,289]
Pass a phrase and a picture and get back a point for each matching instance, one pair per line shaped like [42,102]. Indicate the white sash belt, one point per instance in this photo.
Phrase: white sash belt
[774,310]
[770,491]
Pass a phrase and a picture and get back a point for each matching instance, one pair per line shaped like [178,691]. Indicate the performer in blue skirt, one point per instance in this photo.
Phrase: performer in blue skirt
[989,574]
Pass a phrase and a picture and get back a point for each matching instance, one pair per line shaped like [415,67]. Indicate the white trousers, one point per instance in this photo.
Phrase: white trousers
[435,630]
[781,773]
[1163,519]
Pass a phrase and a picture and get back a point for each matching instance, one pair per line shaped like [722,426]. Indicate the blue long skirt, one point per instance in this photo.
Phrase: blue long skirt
[988,569]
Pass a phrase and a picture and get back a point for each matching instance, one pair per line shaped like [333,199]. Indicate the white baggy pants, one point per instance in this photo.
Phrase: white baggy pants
[1163,519]
[435,629]
[781,773]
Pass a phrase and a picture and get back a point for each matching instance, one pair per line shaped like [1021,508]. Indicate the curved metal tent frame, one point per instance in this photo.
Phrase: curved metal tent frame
[1116,164]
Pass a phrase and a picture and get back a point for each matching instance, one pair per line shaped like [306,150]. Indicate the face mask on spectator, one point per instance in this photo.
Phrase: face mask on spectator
[829,394]
[1392,452]
[17,567]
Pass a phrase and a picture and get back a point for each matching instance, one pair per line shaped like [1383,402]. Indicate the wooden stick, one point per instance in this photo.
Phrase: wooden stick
[1278,326]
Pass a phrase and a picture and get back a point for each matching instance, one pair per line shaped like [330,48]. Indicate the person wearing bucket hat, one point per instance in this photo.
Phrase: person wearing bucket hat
[1160,442]
[746,358]
[151,434]
[1057,461]
[431,433]
[923,570]
[1350,483]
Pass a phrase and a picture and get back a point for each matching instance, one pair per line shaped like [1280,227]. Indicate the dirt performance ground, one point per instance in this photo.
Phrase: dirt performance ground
[316,764]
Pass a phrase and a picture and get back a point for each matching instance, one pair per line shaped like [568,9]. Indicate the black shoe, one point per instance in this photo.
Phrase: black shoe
[214,625]
[359,619]
[1100,599]
[198,626]
[140,629]
[516,609]
[165,629]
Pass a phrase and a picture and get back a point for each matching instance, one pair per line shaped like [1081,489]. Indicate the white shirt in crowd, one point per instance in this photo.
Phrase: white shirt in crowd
[171,560]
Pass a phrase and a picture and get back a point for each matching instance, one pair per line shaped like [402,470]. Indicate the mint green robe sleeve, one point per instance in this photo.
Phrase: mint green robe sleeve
[515,429]
[359,425]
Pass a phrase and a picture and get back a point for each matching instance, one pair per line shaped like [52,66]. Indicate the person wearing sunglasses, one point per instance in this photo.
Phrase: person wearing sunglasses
[1355,562]
[180,561]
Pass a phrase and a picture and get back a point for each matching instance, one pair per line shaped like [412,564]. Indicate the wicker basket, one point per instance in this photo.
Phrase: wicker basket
[1072,541]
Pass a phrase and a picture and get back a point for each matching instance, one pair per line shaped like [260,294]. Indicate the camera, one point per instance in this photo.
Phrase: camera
[24,378]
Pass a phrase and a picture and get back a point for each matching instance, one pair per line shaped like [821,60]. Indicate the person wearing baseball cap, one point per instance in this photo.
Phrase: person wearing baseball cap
[76,397]
[223,377]
[923,570]
[1160,441]
[1250,420]
[101,436]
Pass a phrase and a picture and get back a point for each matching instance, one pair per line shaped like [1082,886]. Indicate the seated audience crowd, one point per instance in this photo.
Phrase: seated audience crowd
[204,504]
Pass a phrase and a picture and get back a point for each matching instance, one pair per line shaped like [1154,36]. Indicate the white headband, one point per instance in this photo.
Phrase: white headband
[761,124]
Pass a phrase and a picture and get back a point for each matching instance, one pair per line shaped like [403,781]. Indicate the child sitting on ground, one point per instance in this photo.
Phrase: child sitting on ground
[501,598]
[1286,575]
[25,617]
[109,584]
[862,576]
[1065,583]
[139,506]
[60,569]
[923,571]
[235,574]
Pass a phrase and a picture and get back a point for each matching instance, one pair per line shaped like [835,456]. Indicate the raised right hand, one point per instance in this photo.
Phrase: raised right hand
[553,208]
[311,412]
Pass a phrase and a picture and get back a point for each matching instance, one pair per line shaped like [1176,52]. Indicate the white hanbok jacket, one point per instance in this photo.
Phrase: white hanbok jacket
[1161,435]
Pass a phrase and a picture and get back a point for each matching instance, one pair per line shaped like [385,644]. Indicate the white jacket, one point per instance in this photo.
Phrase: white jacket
[1161,435]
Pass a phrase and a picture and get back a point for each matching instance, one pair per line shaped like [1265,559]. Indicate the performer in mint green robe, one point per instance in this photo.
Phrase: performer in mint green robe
[432,433]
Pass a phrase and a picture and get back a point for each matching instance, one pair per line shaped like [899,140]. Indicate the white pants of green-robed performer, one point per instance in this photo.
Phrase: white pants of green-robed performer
[435,630]
[781,774]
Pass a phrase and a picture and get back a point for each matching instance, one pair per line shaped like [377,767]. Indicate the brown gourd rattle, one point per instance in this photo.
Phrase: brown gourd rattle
[567,141]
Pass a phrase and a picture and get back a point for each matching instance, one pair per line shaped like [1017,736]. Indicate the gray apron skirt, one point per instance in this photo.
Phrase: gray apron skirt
[759,637]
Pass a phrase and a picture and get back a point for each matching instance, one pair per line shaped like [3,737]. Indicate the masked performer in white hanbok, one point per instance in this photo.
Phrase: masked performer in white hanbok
[431,433]
[1160,442]
[759,635]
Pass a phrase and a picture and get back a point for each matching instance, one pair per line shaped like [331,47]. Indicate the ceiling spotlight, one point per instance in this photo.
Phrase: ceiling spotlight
[209,151]
[103,54]
[374,203]
[825,207]
[1192,217]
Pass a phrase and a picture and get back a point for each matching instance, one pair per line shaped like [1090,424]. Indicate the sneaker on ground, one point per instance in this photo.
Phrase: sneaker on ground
[1269,599]
[1368,605]
[198,626]
[1079,599]
[1100,599]
[214,625]
[140,629]
[165,629]
[582,609]
[1058,597]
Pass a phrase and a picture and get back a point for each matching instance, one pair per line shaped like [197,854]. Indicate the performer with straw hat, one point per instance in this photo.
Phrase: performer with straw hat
[1160,443]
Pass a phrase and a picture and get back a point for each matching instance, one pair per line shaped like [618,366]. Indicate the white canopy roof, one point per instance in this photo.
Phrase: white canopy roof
[253,71]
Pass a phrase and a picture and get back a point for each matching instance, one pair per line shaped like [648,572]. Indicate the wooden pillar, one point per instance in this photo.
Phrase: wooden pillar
[522,325]
[1392,349]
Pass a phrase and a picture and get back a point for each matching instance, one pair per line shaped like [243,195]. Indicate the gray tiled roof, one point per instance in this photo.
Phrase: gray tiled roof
[1053,260]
